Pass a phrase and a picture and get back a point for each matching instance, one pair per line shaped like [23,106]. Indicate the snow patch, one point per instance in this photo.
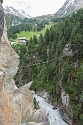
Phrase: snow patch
[20,6]
[70,2]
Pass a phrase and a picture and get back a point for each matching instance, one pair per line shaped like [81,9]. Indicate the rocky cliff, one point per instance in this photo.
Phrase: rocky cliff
[16,104]
[65,107]
[13,107]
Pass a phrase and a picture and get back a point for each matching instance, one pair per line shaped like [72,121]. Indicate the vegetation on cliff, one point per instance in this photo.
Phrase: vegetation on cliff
[40,62]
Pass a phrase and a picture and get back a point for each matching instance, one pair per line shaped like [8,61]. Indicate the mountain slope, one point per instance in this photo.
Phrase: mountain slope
[12,20]
[20,9]
[69,7]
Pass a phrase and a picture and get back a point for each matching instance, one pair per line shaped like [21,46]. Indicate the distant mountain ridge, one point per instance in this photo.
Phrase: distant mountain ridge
[69,7]
[12,20]
[20,9]
[15,15]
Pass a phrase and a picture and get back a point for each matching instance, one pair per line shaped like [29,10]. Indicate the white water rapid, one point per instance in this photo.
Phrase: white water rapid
[54,116]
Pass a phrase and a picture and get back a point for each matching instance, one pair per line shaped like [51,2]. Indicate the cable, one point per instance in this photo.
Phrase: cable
[39,63]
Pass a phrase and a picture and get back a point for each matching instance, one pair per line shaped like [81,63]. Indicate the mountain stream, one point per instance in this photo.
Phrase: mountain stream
[53,115]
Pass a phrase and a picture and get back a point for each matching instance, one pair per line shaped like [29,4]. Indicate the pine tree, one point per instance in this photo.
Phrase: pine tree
[47,37]
[42,48]
[35,40]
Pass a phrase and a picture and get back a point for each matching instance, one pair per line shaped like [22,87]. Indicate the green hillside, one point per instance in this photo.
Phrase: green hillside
[29,34]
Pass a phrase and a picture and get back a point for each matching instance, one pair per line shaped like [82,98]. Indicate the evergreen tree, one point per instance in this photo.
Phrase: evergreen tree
[42,48]
[54,43]
[35,40]
[51,34]
[30,46]
[41,43]
[47,37]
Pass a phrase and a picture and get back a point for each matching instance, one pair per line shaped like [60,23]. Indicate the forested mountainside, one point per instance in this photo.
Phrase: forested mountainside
[12,20]
[28,24]
[56,59]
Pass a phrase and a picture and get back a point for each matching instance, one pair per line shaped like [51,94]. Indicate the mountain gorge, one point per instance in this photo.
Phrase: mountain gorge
[16,105]
[53,61]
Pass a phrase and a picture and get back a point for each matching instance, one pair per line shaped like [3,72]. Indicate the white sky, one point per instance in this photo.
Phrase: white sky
[39,7]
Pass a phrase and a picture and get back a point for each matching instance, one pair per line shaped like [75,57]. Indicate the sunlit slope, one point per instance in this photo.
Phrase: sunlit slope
[29,34]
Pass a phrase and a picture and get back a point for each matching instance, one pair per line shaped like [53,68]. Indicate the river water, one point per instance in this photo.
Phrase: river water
[53,115]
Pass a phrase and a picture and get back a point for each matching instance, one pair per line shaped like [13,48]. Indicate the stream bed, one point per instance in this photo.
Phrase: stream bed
[53,115]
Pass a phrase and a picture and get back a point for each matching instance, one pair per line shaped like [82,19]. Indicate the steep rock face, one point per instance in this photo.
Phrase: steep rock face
[16,105]
[1,20]
[6,117]
[11,105]
[65,106]
[27,98]
[66,109]
[9,63]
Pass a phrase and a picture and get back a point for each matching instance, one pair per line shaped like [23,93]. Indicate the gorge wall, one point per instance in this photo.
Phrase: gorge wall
[13,106]
[65,107]
[16,104]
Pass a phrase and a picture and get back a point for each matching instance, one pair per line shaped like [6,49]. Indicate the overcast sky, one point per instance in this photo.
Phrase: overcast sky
[40,7]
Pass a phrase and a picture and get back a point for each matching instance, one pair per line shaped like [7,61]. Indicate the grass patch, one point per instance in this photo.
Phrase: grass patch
[30,34]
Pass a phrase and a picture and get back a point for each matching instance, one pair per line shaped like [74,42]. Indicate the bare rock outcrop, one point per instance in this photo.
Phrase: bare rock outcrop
[65,106]
[6,99]
[13,107]
[26,104]
[16,104]
[1,20]
[38,117]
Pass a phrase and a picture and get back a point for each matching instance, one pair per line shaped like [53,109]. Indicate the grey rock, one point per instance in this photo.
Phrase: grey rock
[1,20]
[33,123]
[69,7]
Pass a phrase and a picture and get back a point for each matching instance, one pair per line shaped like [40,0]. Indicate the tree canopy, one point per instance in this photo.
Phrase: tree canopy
[56,56]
